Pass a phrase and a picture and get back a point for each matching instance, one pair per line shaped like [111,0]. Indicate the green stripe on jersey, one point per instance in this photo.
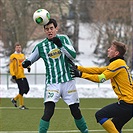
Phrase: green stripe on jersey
[57,68]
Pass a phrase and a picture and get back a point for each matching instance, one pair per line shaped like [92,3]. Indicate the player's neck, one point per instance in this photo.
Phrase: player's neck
[17,52]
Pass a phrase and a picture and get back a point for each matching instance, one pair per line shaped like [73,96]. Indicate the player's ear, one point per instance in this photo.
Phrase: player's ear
[117,53]
[44,29]
[57,28]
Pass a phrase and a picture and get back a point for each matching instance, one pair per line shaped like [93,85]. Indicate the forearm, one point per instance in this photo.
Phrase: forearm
[67,48]
[93,78]
[34,56]
[92,70]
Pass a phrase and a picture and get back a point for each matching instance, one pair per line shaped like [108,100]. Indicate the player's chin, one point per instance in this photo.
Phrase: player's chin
[50,37]
[108,55]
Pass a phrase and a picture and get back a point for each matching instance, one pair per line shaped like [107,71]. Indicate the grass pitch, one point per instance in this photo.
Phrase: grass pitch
[13,119]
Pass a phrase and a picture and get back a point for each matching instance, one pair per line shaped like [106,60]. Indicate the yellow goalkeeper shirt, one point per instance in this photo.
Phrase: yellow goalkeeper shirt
[119,74]
[15,66]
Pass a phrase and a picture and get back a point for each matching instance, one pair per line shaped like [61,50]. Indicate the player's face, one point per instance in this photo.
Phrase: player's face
[112,52]
[18,49]
[50,31]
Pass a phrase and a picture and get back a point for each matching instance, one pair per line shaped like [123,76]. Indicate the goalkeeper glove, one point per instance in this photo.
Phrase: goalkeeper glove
[75,72]
[72,64]
[73,69]
[57,41]
[29,69]
[14,77]
[26,63]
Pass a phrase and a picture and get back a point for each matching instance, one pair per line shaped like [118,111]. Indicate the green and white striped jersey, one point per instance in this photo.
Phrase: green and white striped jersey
[55,59]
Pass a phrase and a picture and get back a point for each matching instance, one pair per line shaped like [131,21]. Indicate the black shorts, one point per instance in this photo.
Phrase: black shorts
[120,112]
[23,86]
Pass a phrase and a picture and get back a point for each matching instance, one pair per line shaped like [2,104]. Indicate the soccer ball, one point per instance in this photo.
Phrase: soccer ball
[41,16]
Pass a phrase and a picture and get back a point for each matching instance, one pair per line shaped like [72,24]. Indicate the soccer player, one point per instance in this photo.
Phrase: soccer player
[55,50]
[17,73]
[122,111]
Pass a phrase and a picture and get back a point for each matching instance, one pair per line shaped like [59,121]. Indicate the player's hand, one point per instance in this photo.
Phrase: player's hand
[71,63]
[73,69]
[14,77]
[26,63]
[75,72]
[29,69]
[57,41]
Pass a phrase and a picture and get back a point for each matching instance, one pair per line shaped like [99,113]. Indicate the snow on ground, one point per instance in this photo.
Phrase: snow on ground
[86,89]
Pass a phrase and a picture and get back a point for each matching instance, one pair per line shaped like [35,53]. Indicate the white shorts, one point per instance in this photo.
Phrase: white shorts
[67,91]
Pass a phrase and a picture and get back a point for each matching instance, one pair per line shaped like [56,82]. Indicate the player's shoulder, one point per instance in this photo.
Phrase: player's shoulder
[42,42]
[12,55]
[119,62]
[22,54]
[62,36]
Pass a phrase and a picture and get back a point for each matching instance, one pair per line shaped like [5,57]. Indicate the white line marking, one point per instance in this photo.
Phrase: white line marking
[39,108]
[67,131]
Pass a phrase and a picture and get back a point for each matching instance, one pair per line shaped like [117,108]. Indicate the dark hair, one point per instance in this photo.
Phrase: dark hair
[17,44]
[121,47]
[51,21]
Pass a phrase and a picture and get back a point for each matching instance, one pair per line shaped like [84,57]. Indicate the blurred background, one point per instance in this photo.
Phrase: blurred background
[90,24]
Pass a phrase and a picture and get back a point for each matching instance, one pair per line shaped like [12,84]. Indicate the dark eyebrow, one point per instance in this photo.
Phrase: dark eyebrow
[49,27]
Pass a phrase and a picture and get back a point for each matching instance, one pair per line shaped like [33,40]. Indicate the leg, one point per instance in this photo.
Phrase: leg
[119,123]
[17,97]
[20,95]
[26,87]
[120,113]
[70,96]
[109,126]
[124,116]
[48,113]
[21,100]
[52,96]
[79,120]
[103,116]
[14,100]
[23,88]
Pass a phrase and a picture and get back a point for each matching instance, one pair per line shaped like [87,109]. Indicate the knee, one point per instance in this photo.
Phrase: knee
[98,116]
[21,93]
[75,111]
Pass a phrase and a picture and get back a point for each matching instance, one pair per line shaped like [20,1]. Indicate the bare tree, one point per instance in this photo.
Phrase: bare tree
[76,25]
[17,22]
[113,21]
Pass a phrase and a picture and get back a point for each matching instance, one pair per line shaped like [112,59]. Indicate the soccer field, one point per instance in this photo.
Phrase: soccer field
[13,120]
